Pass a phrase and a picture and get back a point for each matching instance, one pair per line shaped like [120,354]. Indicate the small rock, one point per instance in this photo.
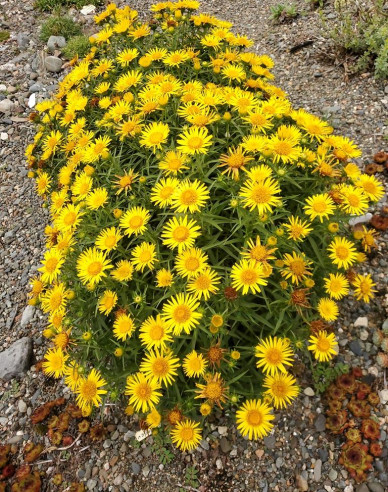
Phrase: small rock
[22,407]
[375,487]
[27,316]
[383,396]
[361,321]
[259,453]
[53,64]
[35,87]
[91,484]
[333,475]
[135,468]
[362,219]
[386,89]
[349,488]
[323,454]
[3,87]
[204,445]
[364,335]
[270,441]
[225,445]
[88,9]
[23,39]
[309,391]
[320,423]
[3,136]
[279,462]
[362,488]
[15,439]
[219,464]
[32,100]
[6,106]
[146,471]
[118,480]
[355,347]
[301,483]
[55,42]
[16,359]
[385,326]
[318,470]
[222,431]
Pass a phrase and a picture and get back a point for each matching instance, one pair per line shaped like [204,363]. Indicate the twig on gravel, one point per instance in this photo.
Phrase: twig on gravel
[301,45]
[187,487]
[54,448]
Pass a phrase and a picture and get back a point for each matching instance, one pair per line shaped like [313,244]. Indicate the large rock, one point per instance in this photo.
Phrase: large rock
[55,43]
[53,64]
[27,316]
[16,359]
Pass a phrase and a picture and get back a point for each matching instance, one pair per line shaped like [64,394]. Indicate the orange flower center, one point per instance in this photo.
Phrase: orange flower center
[181,233]
[95,268]
[254,417]
[182,314]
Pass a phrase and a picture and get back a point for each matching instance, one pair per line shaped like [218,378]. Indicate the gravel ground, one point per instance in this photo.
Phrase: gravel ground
[300,455]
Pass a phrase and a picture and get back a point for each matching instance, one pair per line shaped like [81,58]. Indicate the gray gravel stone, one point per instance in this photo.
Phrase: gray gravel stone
[53,64]
[23,39]
[27,316]
[135,468]
[320,423]
[355,347]
[6,106]
[318,470]
[375,487]
[225,445]
[16,359]
[55,43]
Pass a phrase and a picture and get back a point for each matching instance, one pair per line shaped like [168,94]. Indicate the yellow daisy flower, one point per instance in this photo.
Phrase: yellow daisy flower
[254,419]
[181,313]
[324,346]
[274,355]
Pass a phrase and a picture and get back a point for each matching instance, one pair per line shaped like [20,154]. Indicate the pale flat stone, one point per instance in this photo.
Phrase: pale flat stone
[16,359]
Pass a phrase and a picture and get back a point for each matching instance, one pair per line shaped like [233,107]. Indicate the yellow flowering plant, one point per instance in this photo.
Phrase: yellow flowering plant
[199,224]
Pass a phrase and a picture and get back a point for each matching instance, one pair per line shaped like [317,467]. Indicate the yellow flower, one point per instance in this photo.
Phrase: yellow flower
[135,221]
[323,346]
[107,301]
[320,206]
[254,419]
[92,265]
[173,163]
[282,388]
[89,390]
[154,135]
[43,183]
[162,192]
[328,309]
[248,276]
[160,366]
[258,252]
[153,419]
[52,263]
[274,355]
[342,252]
[234,72]
[336,285]
[180,313]
[126,56]
[97,198]
[186,435]
[144,256]
[180,233]
[194,365]
[204,284]
[234,161]
[108,239]
[214,390]
[55,362]
[354,201]
[189,196]
[297,228]
[164,278]
[123,327]
[155,333]
[194,141]
[296,267]
[143,393]
[363,287]
[123,271]
[260,195]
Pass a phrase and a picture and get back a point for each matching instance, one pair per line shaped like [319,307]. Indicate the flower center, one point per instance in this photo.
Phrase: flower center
[69,218]
[279,389]
[144,391]
[110,241]
[260,194]
[156,332]
[189,197]
[254,417]
[195,143]
[186,433]
[258,253]
[94,268]
[297,267]
[203,282]
[213,391]
[125,326]
[51,264]
[195,364]
[136,222]
[283,148]
[249,277]
[182,314]
[145,256]
[160,367]
[166,192]
[174,164]
[354,200]
[192,264]
[156,138]
[181,233]
[56,300]
[89,390]
[323,345]
[341,252]
[236,161]
[320,207]
[274,356]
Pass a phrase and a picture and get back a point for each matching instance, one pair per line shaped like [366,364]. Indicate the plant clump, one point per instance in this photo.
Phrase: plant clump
[199,225]
[349,414]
